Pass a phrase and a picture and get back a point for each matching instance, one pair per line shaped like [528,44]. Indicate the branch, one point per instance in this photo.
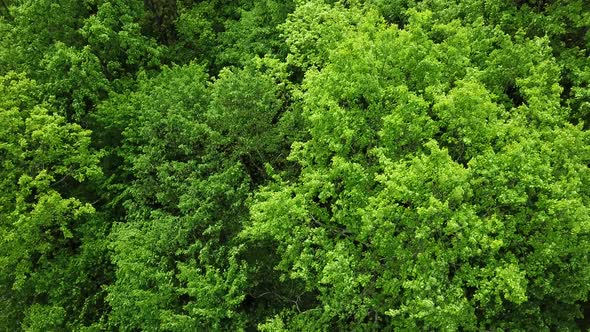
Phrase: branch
[60,180]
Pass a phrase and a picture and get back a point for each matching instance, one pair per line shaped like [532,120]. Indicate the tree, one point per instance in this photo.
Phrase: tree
[46,230]
[184,196]
[294,165]
[430,197]
[255,34]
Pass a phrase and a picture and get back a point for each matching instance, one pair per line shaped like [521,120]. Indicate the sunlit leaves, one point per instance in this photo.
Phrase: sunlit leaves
[428,181]
[294,165]
[41,225]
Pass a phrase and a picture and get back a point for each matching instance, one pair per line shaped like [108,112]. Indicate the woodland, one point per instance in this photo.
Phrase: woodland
[294,165]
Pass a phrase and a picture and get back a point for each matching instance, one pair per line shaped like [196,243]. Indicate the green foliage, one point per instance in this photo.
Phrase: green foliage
[42,226]
[315,28]
[85,84]
[197,27]
[245,111]
[172,255]
[256,33]
[294,165]
[427,201]
[114,34]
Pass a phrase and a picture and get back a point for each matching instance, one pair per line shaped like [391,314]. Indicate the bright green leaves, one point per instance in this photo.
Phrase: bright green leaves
[143,286]
[412,224]
[430,181]
[471,123]
[294,165]
[75,49]
[408,126]
[38,145]
[527,203]
[217,294]
[44,159]
[44,318]
[31,35]
[85,84]
[315,28]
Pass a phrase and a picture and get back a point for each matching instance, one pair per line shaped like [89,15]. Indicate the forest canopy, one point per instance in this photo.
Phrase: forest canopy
[298,165]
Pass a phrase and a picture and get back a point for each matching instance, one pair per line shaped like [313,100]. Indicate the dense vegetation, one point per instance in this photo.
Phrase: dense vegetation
[298,165]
